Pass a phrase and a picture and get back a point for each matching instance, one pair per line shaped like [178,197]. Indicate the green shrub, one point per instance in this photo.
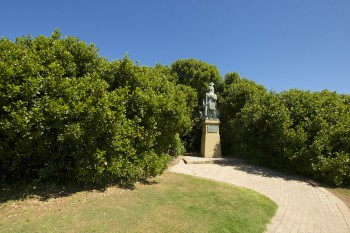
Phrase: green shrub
[69,115]
[322,118]
[158,106]
[66,114]
[299,131]
[237,94]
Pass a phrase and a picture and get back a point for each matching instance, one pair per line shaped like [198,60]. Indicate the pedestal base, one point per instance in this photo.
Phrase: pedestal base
[210,147]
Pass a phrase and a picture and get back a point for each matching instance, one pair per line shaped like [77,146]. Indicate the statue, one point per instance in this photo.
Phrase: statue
[210,143]
[210,110]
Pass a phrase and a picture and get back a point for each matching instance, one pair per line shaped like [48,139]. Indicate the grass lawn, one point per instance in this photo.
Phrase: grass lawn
[171,203]
[342,193]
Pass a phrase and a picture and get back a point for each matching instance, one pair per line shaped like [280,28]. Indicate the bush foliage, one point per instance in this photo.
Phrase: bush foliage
[66,114]
[299,131]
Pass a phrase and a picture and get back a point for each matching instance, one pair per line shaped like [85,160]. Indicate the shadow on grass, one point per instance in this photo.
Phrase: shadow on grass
[42,191]
[46,191]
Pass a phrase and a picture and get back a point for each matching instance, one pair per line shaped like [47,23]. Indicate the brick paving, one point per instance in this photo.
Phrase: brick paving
[303,206]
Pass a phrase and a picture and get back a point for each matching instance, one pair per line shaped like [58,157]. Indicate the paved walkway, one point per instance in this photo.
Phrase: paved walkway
[302,206]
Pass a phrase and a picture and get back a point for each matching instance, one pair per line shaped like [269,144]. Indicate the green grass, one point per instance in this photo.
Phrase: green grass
[342,193]
[173,203]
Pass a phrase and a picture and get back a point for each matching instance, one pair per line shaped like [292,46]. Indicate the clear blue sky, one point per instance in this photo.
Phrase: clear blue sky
[280,44]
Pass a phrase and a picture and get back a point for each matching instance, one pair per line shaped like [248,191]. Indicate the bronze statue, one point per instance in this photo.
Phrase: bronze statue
[210,110]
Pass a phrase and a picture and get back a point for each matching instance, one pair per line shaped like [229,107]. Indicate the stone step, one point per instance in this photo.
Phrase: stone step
[202,160]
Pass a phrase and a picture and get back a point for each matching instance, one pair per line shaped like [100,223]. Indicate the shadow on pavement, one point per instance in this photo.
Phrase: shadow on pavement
[248,168]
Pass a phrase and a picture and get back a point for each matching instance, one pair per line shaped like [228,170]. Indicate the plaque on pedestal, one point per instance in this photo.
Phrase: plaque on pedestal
[210,147]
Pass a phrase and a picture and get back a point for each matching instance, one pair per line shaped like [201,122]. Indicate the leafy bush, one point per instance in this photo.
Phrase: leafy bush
[236,95]
[158,106]
[67,114]
[321,118]
[299,131]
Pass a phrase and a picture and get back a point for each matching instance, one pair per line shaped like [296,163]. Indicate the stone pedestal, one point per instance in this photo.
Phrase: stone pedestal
[210,147]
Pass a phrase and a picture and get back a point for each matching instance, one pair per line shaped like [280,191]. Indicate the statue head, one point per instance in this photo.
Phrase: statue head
[211,87]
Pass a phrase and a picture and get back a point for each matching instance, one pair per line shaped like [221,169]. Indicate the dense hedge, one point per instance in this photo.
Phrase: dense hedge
[300,131]
[68,115]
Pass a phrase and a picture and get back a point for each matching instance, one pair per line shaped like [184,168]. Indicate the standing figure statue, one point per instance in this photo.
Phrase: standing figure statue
[210,110]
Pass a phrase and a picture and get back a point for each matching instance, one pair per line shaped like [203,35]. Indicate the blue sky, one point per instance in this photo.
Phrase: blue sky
[281,44]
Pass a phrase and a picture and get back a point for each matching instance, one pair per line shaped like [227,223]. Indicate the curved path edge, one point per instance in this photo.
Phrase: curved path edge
[302,205]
